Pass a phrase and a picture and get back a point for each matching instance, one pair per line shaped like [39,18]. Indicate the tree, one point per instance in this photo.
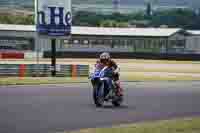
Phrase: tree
[12,19]
[112,23]
[107,23]
[174,18]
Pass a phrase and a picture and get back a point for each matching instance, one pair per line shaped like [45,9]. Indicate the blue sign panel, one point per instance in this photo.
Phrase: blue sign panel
[54,18]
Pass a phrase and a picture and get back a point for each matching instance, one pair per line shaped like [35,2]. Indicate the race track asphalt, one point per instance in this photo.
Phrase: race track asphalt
[58,108]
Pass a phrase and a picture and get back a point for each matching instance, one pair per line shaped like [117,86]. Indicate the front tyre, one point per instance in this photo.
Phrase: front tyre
[98,95]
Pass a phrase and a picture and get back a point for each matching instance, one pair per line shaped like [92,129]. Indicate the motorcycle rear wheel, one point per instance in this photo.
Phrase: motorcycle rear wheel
[118,101]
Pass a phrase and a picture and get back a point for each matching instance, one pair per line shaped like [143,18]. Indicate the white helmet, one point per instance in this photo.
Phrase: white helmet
[105,56]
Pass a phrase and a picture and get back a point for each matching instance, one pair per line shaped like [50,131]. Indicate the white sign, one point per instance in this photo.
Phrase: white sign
[54,17]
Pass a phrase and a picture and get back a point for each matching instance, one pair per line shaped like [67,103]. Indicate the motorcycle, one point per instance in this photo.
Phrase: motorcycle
[104,88]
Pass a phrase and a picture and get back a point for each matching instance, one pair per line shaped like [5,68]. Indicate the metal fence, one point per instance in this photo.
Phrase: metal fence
[42,70]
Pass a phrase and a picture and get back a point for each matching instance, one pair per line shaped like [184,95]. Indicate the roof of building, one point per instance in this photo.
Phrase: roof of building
[77,30]
[154,32]
[194,32]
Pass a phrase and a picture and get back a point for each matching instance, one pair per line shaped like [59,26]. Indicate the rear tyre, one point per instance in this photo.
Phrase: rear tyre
[118,101]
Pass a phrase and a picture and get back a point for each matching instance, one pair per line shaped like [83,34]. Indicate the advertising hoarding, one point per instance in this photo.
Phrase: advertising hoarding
[53,17]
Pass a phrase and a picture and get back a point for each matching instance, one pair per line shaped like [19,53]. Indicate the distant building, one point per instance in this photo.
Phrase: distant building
[95,39]
[193,41]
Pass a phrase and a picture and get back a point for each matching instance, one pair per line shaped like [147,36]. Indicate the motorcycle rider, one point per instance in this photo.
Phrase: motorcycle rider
[105,60]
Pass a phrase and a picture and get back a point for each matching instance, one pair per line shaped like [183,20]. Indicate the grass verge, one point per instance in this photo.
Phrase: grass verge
[86,60]
[186,125]
[39,81]
[131,76]
[144,76]
[168,69]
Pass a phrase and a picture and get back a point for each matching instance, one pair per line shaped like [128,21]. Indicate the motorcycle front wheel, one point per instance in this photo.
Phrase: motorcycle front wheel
[98,94]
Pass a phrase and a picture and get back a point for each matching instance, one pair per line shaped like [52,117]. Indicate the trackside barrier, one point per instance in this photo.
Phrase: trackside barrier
[11,55]
[9,70]
[22,69]
[82,70]
[64,70]
[74,70]
[43,70]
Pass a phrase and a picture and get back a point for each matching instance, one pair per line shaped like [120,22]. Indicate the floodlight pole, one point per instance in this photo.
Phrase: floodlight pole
[53,57]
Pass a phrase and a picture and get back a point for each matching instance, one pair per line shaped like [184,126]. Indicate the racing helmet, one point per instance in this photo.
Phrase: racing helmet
[104,57]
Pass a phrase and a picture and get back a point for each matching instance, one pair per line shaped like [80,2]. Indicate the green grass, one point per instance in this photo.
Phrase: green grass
[165,70]
[39,81]
[187,125]
[135,76]
[94,60]
[142,76]
[161,61]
